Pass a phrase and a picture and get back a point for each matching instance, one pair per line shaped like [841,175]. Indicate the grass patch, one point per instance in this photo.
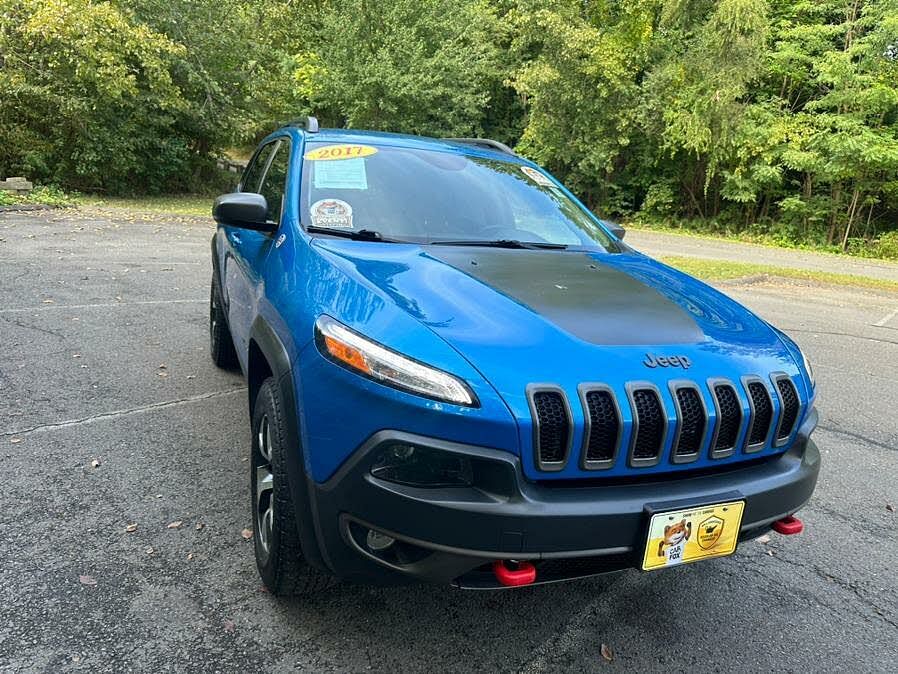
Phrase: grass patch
[883,248]
[180,204]
[720,270]
[43,195]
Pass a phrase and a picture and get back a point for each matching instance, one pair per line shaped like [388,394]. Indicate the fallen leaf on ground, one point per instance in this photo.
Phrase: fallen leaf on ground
[87,580]
[76,355]
[94,463]
[770,552]
[189,556]
[247,533]
[162,374]
[131,528]
[174,525]
[163,366]
[199,525]
[15,441]
[890,507]
[765,539]
[151,551]
[229,625]
[607,653]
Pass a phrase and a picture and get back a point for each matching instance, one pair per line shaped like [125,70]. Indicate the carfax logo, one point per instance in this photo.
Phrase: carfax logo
[651,360]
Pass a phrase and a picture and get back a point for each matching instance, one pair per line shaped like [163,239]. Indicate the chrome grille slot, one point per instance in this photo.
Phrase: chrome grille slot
[649,426]
[603,427]
[761,414]
[729,419]
[790,406]
[552,427]
[692,420]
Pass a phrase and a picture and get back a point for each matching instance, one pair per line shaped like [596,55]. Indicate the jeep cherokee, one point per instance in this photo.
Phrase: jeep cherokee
[458,374]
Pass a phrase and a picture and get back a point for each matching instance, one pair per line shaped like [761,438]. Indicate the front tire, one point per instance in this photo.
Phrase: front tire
[276,537]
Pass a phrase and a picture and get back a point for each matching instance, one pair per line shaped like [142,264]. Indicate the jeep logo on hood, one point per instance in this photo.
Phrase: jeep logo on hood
[651,360]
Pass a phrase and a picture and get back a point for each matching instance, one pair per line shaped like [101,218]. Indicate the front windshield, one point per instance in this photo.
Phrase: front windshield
[427,196]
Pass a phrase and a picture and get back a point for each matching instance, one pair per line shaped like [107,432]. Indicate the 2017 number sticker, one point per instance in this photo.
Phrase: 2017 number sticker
[332,152]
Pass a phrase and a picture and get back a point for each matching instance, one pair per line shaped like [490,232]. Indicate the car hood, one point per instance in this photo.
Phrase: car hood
[563,316]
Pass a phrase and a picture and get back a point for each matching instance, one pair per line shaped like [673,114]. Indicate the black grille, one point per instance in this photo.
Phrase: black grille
[789,398]
[604,426]
[651,424]
[692,421]
[729,417]
[553,429]
[763,413]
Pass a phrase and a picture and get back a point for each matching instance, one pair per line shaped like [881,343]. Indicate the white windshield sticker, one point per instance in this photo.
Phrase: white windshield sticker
[333,213]
[537,177]
[348,174]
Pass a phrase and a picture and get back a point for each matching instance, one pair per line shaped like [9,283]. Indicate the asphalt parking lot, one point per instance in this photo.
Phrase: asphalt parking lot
[126,491]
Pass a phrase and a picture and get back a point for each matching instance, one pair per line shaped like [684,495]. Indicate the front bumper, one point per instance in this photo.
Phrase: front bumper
[449,535]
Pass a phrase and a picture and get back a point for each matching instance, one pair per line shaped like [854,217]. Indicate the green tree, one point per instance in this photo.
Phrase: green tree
[427,67]
[87,97]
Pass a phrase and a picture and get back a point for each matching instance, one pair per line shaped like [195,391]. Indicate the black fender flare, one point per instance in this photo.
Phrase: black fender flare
[217,280]
[274,352]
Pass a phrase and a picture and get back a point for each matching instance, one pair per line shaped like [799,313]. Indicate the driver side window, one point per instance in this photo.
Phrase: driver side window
[275,180]
[253,174]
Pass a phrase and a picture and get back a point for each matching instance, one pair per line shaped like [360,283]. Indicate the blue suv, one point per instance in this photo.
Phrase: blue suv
[458,374]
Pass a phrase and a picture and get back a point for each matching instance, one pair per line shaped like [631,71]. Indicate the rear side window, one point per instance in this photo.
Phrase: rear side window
[256,168]
[275,180]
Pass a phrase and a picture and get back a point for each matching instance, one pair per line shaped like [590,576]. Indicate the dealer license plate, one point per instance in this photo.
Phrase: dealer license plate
[682,536]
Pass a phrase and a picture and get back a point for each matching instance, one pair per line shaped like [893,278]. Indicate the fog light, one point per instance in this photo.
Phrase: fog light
[422,467]
[377,541]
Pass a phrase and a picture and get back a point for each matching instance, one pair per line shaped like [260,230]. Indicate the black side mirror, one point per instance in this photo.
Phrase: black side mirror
[243,209]
[615,229]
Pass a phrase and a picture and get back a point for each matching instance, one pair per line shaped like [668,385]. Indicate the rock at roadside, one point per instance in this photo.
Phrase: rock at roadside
[17,185]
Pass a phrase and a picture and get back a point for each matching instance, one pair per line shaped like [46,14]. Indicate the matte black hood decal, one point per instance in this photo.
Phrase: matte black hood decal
[592,301]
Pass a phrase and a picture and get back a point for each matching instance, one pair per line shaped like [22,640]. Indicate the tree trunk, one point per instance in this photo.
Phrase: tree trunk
[852,209]
[834,200]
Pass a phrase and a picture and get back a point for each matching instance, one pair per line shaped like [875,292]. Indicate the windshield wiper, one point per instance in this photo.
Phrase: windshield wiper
[355,234]
[503,243]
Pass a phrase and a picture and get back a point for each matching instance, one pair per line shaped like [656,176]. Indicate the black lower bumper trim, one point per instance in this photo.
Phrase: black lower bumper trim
[446,534]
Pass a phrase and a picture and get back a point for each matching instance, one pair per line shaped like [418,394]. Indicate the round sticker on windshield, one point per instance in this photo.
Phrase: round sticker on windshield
[331,152]
[332,213]
[537,177]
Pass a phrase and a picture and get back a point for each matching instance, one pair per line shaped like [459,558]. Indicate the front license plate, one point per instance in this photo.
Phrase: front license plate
[681,536]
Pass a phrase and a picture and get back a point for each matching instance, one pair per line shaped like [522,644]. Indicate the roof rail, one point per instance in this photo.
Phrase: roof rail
[309,123]
[488,143]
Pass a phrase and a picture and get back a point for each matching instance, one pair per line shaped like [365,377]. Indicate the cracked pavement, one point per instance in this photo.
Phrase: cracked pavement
[111,414]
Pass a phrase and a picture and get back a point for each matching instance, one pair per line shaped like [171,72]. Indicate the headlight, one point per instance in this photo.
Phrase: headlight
[359,354]
[809,370]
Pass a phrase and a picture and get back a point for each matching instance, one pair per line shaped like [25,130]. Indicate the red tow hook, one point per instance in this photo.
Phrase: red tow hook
[523,574]
[788,526]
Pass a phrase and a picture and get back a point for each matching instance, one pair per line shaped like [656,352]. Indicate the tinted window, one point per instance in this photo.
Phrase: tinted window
[428,196]
[275,180]
[254,171]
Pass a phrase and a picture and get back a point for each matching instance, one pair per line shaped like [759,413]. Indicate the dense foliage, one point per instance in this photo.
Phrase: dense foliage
[772,116]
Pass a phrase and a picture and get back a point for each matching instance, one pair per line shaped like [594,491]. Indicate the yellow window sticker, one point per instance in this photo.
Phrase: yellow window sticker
[332,152]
